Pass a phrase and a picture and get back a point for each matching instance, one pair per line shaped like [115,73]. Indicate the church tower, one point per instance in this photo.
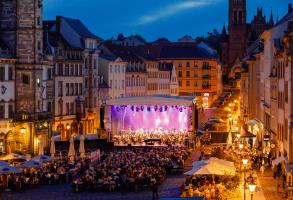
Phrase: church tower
[21,29]
[237,30]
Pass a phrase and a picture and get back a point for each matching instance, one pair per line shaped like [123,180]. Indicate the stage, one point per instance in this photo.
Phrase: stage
[136,119]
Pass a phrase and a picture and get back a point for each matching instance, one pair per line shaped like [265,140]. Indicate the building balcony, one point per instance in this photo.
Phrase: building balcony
[206,76]
[206,87]
[33,117]
[206,67]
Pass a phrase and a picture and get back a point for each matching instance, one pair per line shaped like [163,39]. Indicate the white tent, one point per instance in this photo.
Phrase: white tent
[13,156]
[81,147]
[9,170]
[229,139]
[52,147]
[213,166]
[71,152]
[32,164]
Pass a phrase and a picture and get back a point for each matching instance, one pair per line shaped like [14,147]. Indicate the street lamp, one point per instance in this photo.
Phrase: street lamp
[240,146]
[251,187]
[244,162]
[22,130]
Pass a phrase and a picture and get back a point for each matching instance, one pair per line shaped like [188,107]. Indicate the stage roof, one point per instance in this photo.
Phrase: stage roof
[152,100]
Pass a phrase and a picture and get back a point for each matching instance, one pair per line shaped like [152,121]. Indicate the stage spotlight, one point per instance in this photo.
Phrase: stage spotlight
[161,109]
[156,108]
[141,108]
[180,110]
[149,109]
[117,109]
[137,109]
[132,108]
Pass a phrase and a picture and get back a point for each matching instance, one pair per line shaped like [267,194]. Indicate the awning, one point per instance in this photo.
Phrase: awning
[246,134]
[252,122]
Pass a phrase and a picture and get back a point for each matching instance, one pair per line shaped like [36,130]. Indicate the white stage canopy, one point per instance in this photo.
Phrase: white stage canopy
[159,100]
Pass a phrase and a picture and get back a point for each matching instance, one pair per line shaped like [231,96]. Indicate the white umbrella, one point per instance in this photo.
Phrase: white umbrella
[52,147]
[32,164]
[9,170]
[71,152]
[41,147]
[42,158]
[278,160]
[81,147]
[13,156]
[3,163]
[229,140]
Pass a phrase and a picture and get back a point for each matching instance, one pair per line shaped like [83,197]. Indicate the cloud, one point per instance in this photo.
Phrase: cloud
[173,9]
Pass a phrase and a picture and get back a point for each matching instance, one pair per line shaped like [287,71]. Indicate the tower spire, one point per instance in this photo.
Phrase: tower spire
[271,22]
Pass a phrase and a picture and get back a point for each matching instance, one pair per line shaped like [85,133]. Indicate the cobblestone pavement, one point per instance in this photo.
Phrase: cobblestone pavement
[269,185]
[170,188]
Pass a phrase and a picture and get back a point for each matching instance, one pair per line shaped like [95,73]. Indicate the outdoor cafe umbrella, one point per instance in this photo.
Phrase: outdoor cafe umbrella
[32,164]
[41,147]
[71,152]
[42,158]
[13,156]
[81,147]
[52,147]
[3,163]
[9,170]
[278,160]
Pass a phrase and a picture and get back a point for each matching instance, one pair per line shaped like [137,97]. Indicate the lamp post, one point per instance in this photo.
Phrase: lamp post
[244,162]
[251,187]
[22,130]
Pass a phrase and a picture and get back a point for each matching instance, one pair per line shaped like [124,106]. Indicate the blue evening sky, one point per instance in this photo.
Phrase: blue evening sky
[155,18]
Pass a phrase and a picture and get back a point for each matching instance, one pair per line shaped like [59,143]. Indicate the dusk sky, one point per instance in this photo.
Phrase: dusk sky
[155,18]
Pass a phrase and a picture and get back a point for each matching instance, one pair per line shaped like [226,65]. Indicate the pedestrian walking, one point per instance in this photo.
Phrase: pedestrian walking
[262,169]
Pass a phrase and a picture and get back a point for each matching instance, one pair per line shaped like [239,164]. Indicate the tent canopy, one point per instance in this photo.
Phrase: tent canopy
[160,100]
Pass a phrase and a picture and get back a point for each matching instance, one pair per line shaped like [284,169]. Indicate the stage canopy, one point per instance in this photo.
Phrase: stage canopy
[159,100]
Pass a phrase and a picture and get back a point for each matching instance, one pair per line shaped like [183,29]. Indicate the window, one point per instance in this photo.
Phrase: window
[2,111]
[49,106]
[286,129]
[66,70]
[49,73]
[71,89]
[122,84]
[286,91]
[179,64]
[195,75]
[86,82]
[110,83]
[2,73]
[187,83]
[10,111]
[38,21]
[72,70]
[60,108]
[76,89]
[60,69]
[39,45]
[80,70]
[67,109]
[10,73]
[187,64]
[195,84]
[76,69]
[187,73]
[60,89]
[95,63]
[180,83]
[80,89]
[25,79]
[71,111]
[180,74]
[67,89]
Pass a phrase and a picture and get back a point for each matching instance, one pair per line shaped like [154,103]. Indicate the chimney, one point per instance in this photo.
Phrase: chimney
[290,7]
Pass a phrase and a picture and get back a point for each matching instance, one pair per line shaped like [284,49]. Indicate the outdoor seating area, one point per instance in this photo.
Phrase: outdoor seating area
[132,169]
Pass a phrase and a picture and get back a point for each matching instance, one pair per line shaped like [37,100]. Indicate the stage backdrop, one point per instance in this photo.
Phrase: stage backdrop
[150,117]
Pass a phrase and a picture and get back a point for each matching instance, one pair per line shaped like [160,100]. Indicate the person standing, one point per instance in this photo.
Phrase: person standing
[155,189]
